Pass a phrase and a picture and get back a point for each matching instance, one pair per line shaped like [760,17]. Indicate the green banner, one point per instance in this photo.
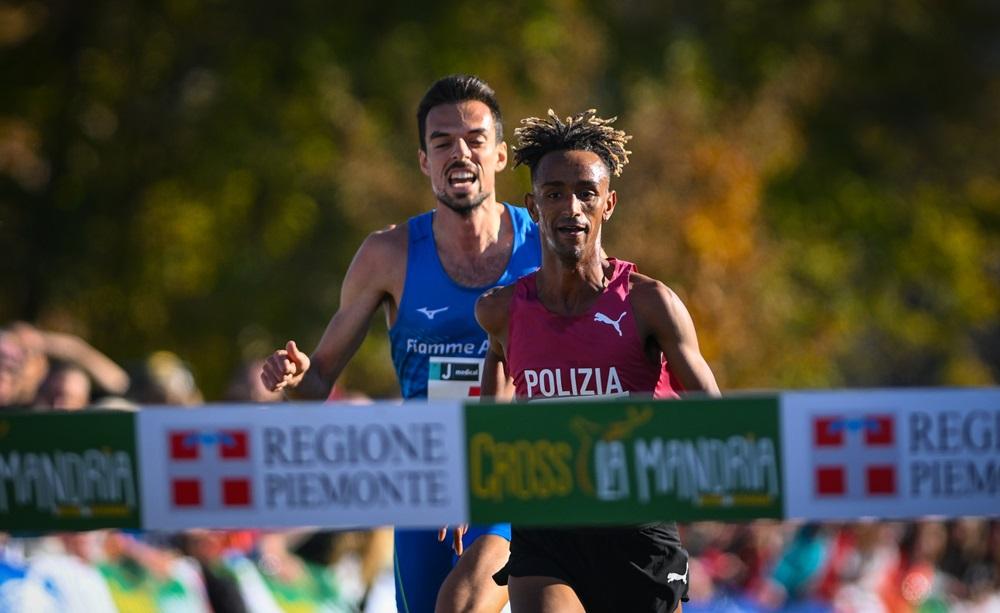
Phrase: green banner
[624,462]
[68,471]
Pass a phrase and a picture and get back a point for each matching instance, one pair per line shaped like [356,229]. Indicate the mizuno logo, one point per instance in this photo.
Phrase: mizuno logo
[671,577]
[430,313]
[604,319]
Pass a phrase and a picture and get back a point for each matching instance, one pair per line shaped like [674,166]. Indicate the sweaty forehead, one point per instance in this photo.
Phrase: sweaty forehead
[570,167]
[459,118]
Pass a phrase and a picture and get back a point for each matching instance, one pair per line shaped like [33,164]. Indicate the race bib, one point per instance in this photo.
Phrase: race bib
[453,377]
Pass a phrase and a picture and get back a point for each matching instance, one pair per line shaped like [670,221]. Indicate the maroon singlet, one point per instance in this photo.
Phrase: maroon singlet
[598,353]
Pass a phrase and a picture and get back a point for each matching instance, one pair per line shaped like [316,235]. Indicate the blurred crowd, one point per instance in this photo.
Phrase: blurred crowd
[759,566]
[108,571]
[866,566]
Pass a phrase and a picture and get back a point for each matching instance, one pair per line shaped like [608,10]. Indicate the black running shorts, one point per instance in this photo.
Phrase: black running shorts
[635,568]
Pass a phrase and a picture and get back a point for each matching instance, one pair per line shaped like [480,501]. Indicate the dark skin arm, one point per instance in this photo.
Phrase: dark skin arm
[497,384]
[665,323]
[492,313]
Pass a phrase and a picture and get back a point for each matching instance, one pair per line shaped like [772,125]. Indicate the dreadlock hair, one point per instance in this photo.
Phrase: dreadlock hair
[452,90]
[582,132]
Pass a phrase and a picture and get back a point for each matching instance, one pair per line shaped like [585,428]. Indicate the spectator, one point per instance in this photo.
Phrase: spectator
[41,346]
[66,387]
[165,379]
[25,356]
[103,371]
[142,577]
[210,549]
[68,564]
[12,359]
[358,560]
[861,556]
[36,363]
[19,593]
[966,558]
[916,582]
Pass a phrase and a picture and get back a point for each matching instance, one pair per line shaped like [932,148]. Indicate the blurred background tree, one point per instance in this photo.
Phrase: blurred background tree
[820,181]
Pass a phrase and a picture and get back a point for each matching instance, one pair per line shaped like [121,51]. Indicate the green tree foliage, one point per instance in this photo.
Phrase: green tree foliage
[820,181]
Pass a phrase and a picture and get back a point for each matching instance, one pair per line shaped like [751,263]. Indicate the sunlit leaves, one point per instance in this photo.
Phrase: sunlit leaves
[817,180]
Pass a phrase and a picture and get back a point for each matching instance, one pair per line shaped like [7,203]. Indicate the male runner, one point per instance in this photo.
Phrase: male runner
[427,274]
[583,313]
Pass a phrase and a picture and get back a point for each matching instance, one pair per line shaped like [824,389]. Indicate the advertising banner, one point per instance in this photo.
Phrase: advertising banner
[625,461]
[68,471]
[892,454]
[884,454]
[303,465]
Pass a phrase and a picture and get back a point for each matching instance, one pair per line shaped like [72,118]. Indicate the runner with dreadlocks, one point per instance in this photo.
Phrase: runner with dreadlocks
[588,325]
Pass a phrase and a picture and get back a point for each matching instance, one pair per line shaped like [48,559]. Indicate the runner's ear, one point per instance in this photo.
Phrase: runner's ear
[501,156]
[424,165]
[529,202]
[609,208]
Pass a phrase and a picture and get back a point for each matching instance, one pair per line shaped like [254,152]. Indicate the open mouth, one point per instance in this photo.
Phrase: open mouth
[461,178]
[571,230]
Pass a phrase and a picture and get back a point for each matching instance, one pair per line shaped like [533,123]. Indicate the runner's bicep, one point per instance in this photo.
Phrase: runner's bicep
[675,333]
[369,279]
[496,380]
[363,290]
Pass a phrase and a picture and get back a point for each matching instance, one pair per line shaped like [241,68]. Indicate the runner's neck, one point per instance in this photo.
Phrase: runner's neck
[572,290]
[468,235]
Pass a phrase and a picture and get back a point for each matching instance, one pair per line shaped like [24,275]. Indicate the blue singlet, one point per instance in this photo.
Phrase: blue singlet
[438,350]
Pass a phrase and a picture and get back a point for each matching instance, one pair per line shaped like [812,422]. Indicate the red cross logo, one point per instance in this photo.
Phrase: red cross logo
[854,456]
[209,469]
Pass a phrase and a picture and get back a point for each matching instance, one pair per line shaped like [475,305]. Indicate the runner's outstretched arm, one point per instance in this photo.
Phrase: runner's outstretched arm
[374,277]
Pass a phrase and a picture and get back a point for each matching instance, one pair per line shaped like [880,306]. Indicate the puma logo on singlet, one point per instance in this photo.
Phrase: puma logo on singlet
[430,313]
[677,576]
[604,319]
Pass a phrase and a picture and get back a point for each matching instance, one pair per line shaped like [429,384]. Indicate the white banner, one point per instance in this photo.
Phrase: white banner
[891,454]
[254,466]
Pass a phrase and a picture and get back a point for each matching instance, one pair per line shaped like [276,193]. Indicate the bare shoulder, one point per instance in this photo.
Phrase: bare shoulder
[381,258]
[649,290]
[390,241]
[493,307]
[498,297]
[653,301]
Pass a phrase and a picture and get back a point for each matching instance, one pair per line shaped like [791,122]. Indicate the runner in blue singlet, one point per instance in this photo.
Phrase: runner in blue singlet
[427,275]
[437,346]
[438,349]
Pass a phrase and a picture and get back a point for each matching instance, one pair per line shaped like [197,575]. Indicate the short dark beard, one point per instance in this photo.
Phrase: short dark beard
[568,257]
[463,207]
